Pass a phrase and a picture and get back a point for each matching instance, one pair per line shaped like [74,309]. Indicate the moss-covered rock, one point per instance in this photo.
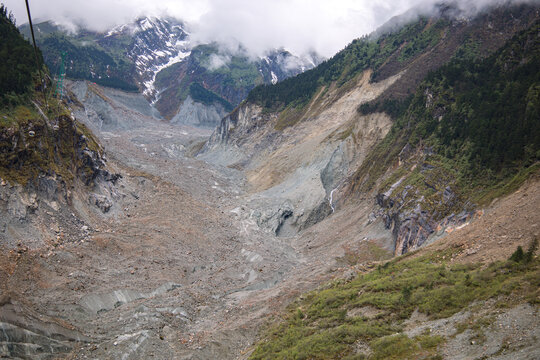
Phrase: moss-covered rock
[30,146]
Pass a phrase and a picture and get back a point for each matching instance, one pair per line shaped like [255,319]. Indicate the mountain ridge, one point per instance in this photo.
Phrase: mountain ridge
[132,56]
[273,115]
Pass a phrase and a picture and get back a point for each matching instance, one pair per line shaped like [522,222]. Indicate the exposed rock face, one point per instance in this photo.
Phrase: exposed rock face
[24,334]
[42,172]
[273,219]
[304,163]
[100,201]
[411,220]
[104,109]
[198,114]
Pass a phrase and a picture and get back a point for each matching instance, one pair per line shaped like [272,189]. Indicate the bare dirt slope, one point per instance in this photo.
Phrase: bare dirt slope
[497,231]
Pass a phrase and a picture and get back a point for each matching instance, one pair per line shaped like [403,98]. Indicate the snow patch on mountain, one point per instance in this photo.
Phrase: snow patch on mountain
[150,90]
[159,43]
[274,77]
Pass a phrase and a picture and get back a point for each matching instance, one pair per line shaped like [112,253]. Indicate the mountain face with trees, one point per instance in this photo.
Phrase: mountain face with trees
[460,99]
[461,96]
[18,61]
[475,123]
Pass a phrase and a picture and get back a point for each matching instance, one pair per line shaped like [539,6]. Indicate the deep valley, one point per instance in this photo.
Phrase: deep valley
[380,204]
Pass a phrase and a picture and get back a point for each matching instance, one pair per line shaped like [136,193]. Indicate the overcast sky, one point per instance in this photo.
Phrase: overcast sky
[325,26]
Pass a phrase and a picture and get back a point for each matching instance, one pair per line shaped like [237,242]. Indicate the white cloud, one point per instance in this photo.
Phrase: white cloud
[297,25]
[215,61]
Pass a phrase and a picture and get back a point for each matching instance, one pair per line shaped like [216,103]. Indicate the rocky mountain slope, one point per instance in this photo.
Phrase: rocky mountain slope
[324,137]
[48,161]
[208,79]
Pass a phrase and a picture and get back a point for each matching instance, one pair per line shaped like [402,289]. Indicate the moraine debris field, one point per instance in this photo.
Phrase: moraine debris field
[166,196]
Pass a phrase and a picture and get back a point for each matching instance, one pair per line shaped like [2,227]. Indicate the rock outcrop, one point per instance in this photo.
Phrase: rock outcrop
[45,166]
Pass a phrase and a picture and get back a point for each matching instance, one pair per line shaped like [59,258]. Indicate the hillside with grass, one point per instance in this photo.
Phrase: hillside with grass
[369,317]
[480,114]
[467,136]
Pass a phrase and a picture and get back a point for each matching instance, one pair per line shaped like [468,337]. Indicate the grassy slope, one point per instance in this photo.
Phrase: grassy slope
[323,324]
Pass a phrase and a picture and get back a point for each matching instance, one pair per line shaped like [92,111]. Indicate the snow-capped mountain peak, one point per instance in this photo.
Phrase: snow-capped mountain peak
[157,43]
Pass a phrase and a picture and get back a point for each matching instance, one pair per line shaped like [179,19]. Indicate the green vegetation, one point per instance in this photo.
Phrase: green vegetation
[428,181]
[361,54]
[200,94]
[104,62]
[332,322]
[29,145]
[18,63]
[393,107]
[87,60]
[480,117]
[208,77]
[289,116]
[166,75]
[421,39]
[519,256]
[236,71]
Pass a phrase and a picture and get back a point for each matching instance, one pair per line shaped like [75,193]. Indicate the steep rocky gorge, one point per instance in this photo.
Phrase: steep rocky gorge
[167,271]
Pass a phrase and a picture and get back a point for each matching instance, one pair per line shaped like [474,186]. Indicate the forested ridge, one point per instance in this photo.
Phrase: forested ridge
[86,61]
[481,116]
[18,61]
[361,54]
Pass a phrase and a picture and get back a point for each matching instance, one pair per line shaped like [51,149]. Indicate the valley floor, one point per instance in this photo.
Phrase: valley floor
[176,268]
[179,269]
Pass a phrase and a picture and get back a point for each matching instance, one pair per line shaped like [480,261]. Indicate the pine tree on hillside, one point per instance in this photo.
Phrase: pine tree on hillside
[17,61]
